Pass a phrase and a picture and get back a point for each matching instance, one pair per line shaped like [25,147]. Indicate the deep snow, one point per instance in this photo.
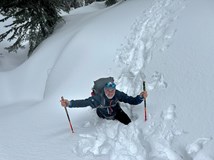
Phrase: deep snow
[168,43]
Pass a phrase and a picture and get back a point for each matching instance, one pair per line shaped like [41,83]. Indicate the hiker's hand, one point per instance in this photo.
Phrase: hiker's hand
[144,94]
[65,102]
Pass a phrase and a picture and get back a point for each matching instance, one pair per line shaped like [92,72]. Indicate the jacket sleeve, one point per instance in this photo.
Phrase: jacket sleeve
[122,97]
[93,101]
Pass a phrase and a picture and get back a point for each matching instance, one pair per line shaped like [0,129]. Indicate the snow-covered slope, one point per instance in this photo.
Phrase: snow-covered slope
[168,43]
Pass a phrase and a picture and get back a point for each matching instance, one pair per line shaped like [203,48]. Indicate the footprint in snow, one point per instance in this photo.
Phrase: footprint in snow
[194,149]
[157,81]
[169,114]
[160,134]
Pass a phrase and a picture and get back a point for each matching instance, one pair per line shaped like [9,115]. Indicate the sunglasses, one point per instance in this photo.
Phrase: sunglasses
[110,85]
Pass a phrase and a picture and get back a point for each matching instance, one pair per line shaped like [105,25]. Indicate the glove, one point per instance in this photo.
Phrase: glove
[144,94]
[65,102]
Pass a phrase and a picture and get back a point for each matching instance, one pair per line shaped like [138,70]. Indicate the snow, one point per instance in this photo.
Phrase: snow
[168,43]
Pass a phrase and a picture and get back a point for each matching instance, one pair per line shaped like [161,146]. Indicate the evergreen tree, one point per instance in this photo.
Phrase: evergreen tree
[110,2]
[33,21]
[74,3]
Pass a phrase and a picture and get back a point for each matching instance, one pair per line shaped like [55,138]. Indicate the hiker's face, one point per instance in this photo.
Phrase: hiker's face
[109,93]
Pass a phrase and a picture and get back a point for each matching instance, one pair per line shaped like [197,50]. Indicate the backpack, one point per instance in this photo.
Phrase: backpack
[99,85]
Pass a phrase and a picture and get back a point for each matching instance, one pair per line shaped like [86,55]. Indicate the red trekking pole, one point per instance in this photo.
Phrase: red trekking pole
[144,89]
[68,117]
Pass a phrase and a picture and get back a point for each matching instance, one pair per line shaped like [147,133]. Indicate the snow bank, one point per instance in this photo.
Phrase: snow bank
[153,140]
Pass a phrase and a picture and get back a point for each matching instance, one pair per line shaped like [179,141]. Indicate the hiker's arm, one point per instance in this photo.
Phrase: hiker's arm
[122,97]
[91,101]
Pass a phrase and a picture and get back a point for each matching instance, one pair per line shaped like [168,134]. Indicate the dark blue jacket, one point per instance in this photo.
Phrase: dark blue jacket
[106,108]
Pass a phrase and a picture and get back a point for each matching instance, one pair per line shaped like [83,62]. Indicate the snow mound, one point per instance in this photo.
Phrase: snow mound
[152,140]
[115,141]
[112,139]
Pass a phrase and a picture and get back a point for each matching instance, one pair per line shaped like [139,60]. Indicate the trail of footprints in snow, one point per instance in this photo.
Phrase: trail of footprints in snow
[150,34]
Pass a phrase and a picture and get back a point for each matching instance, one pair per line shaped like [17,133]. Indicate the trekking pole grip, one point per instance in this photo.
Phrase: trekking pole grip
[144,89]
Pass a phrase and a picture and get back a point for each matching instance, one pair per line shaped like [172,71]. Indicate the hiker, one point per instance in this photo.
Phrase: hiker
[107,103]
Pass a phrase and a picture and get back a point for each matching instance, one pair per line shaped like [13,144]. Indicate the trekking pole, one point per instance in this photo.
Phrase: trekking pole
[68,116]
[144,89]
